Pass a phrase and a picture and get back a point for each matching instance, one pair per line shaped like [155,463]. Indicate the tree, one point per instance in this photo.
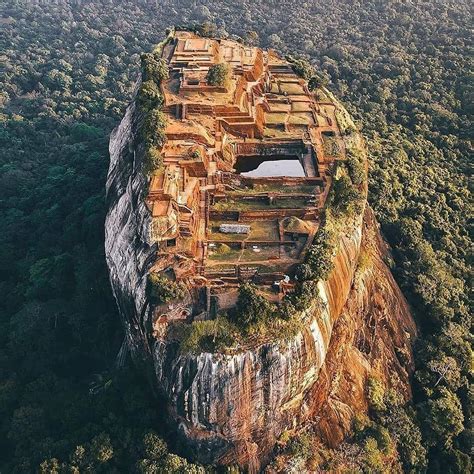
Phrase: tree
[251,307]
[316,81]
[153,446]
[443,418]
[346,198]
[320,256]
[162,290]
[153,68]
[208,29]
[376,392]
[149,95]
[446,370]
[219,75]
[101,448]
[356,170]
[302,67]
[373,458]
[401,423]
[50,466]
[303,272]
[153,160]
[252,38]
[153,128]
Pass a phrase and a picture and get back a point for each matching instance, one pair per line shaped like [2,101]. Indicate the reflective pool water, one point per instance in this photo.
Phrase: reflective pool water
[269,166]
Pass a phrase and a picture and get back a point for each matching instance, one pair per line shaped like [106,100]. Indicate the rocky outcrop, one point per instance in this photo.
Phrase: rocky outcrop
[372,337]
[128,252]
[233,408]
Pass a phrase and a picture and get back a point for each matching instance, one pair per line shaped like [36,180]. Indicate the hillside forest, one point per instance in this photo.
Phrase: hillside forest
[403,70]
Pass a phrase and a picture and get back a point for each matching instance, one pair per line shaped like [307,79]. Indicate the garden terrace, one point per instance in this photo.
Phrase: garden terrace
[254,147]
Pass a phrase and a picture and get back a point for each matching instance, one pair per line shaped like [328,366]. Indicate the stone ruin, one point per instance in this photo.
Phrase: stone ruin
[246,156]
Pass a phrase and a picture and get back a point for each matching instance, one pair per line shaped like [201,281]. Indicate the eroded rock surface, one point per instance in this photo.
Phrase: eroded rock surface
[372,337]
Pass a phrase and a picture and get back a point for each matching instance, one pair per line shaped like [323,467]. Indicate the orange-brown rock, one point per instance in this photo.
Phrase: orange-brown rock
[372,337]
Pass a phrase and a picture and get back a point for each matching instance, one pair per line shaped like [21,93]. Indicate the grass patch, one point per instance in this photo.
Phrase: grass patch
[259,204]
[300,107]
[248,255]
[231,255]
[276,117]
[291,88]
[301,118]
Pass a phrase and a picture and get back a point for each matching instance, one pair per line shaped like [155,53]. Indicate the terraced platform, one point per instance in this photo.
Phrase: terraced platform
[257,151]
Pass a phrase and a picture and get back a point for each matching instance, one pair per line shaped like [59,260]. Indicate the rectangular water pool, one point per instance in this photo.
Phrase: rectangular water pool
[261,166]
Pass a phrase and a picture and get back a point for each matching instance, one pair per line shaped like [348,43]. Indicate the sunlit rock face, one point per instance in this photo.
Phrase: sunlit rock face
[372,337]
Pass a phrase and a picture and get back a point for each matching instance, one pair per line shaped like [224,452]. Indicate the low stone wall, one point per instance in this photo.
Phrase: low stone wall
[264,214]
[295,147]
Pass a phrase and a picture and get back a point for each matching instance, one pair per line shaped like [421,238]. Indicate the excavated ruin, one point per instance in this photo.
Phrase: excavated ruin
[248,167]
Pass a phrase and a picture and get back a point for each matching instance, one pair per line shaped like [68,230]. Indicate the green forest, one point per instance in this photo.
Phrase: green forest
[404,71]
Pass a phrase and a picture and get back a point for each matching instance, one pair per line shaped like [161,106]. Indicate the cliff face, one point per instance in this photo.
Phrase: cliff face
[234,408]
[372,337]
[231,409]
[128,252]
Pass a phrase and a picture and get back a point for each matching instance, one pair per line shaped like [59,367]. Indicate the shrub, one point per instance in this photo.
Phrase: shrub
[207,29]
[174,463]
[316,81]
[153,446]
[303,272]
[384,440]
[346,199]
[442,418]
[50,466]
[149,95]
[162,290]
[251,307]
[101,448]
[208,335]
[372,456]
[222,249]
[196,154]
[400,421]
[306,71]
[356,170]
[219,75]
[301,446]
[154,128]
[153,159]
[301,67]
[375,394]
[320,255]
[304,295]
[360,423]
[153,68]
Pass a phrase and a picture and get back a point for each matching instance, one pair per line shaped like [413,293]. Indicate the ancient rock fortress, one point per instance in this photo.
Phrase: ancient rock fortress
[247,167]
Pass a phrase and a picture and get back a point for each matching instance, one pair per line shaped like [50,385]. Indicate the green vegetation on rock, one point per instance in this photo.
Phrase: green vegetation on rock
[154,68]
[219,75]
[163,290]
